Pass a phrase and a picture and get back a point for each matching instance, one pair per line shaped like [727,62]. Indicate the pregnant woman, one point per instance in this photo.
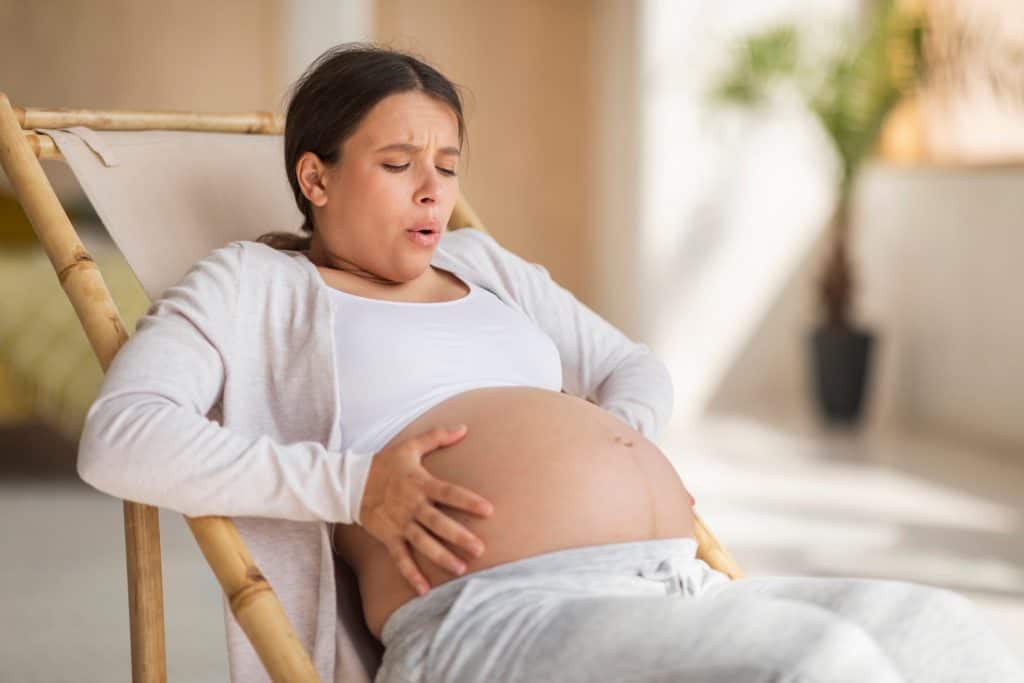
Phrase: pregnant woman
[471,441]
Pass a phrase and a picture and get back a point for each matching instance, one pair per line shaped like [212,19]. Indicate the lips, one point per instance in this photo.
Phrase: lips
[428,226]
[424,239]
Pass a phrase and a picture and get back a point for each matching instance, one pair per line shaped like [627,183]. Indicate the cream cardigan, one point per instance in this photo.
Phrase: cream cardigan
[223,402]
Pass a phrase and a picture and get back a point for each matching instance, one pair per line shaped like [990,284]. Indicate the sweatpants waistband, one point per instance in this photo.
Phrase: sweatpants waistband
[646,557]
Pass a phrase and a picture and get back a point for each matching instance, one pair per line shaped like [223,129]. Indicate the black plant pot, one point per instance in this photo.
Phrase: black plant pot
[841,358]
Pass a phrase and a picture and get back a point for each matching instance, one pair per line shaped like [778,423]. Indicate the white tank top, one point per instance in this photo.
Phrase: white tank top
[397,359]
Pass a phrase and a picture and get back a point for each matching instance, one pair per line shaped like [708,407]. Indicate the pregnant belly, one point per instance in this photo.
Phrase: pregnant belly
[560,471]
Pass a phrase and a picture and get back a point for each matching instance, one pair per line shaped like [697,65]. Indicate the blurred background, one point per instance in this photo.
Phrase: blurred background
[811,210]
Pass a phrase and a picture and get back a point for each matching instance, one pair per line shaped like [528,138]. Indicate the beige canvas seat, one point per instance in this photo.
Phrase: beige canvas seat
[170,188]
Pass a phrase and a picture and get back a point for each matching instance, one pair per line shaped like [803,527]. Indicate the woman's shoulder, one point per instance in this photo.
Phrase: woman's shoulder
[264,253]
[471,246]
[480,251]
[239,265]
[251,256]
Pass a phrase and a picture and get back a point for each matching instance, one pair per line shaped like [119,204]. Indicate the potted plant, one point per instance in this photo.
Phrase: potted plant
[851,95]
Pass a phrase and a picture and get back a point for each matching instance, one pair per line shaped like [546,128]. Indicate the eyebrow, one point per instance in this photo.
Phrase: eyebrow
[409,147]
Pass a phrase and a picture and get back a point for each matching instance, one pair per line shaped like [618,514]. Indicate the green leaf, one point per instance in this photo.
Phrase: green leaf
[760,60]
[882,60]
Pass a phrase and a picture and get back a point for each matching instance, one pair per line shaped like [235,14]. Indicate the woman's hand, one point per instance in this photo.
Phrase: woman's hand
[398,507]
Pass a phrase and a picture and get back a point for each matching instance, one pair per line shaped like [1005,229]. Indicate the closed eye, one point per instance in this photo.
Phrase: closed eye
[399,169]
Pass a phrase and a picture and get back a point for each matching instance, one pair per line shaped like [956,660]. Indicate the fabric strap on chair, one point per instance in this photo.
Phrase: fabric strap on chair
[169,198]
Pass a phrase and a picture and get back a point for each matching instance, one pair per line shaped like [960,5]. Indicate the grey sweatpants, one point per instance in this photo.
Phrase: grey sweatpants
[651,611]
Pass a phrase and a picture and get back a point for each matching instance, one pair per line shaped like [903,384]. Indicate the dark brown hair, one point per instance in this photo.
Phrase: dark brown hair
[332,97]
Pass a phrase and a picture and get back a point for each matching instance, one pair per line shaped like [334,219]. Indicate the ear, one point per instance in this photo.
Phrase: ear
[310,172]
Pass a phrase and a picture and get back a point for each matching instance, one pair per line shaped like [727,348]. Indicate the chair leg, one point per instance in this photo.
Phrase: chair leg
[145,593]
[252,600]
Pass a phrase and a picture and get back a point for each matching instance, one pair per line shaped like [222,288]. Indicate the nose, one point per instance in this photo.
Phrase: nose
[429,187]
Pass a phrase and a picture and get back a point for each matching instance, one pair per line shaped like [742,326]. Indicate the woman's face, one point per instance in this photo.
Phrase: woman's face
[396,171]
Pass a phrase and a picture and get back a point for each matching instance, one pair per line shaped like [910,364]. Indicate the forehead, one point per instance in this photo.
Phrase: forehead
[409,117]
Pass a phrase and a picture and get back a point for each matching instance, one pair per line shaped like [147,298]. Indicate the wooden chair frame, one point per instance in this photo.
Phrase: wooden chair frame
[250,596]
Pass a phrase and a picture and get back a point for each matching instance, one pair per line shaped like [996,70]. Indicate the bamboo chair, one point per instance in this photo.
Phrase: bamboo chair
[30,134]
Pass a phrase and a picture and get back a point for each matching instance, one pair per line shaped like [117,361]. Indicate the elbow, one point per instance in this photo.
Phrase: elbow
[116,454]
[97,464]
[668,400]
[661,395]
[662,369]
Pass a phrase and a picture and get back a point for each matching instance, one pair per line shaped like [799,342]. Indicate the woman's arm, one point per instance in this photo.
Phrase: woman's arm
[598,361]
[146,437]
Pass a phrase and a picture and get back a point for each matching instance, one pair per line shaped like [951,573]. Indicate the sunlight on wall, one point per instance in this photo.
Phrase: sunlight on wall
[730,203]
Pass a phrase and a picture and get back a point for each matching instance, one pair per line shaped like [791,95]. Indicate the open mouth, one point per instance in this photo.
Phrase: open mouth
[424,236]
[427,227]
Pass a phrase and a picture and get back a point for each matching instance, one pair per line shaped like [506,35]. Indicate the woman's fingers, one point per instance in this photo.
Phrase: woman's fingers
[407,566]
[447,528]
[456,496]
[406,481]
[436,438]
[429,546]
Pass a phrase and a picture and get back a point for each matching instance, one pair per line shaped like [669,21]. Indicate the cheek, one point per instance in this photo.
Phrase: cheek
[367,193]
[384,187]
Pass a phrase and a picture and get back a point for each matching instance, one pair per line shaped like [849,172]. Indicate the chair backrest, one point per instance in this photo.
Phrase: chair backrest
[169,198]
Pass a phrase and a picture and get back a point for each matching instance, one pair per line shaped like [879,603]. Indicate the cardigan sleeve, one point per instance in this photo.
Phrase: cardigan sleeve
[148,438]
[599,361]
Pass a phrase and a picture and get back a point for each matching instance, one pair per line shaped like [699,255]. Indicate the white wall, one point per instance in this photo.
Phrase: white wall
[942,256]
